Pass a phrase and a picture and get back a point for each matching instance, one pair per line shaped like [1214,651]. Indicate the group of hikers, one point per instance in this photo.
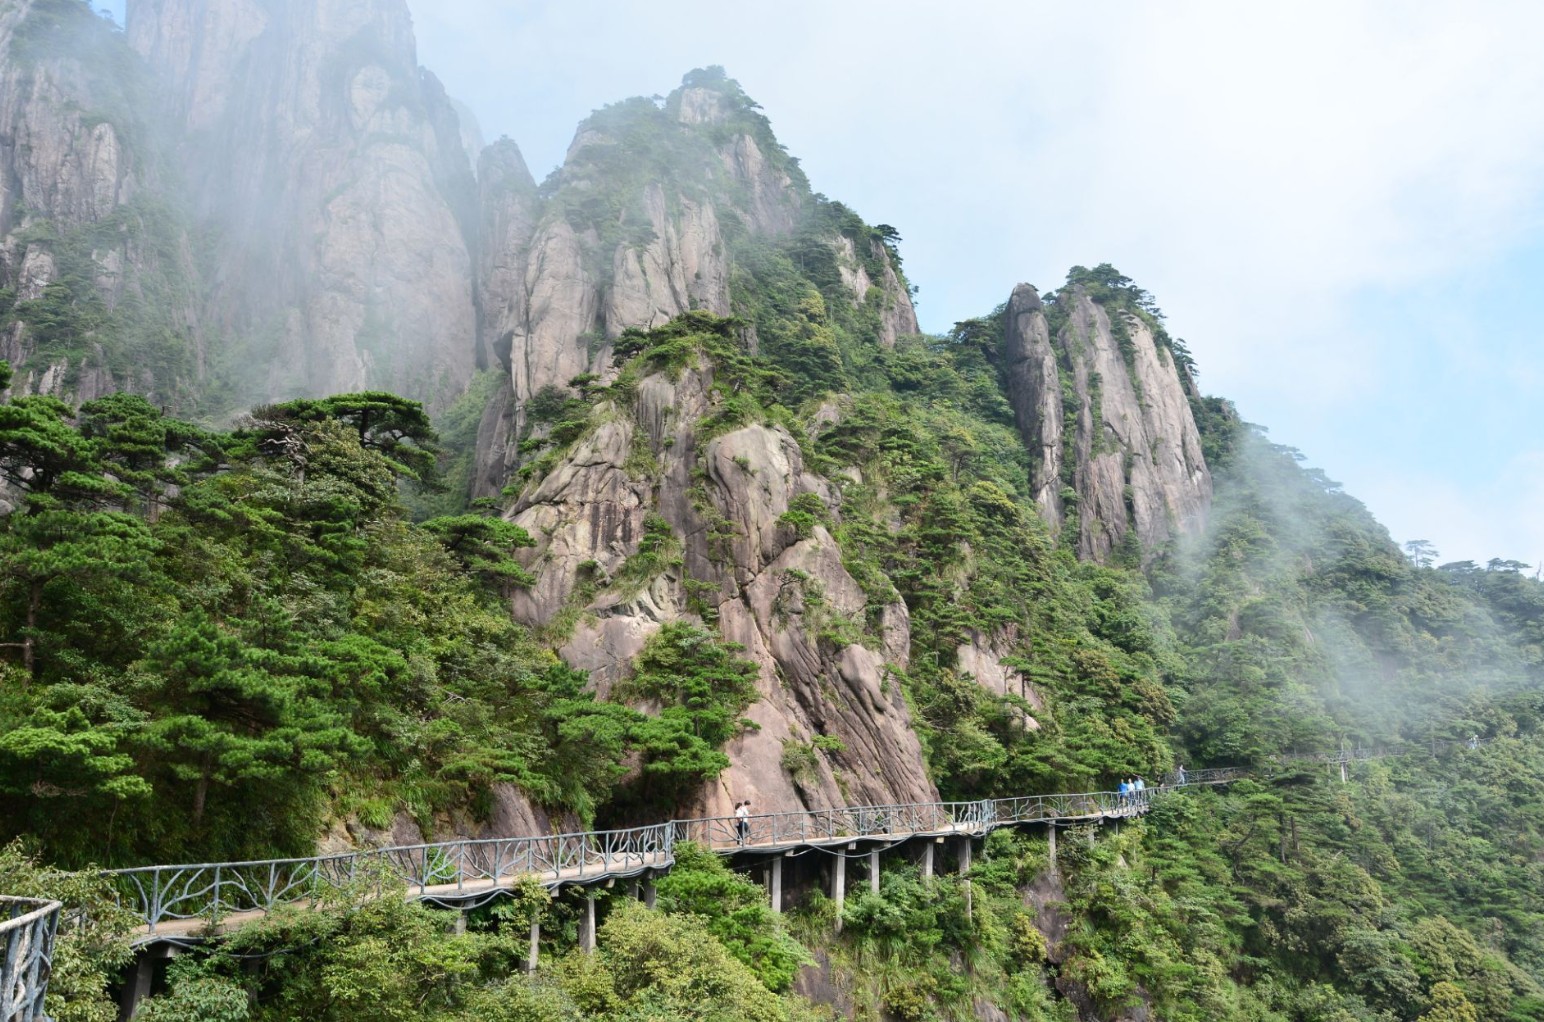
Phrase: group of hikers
[1131,787]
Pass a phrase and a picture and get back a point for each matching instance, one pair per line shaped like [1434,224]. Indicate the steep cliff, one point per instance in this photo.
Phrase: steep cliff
[97,280]
[658,209]
[332,168]
[672,505]
[1102,407]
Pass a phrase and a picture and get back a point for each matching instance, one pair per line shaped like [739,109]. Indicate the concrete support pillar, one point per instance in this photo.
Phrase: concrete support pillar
[636,889]
[587,924]
[839,886]
[535,953]
[459,926]
[775,882]
[137,987]
[141,979]
[649,893]
[927,861]
[1343,777]
[965,850]
[874,870]
[1050,840]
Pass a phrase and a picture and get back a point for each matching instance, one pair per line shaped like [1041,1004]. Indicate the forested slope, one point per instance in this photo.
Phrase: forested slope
[713,521]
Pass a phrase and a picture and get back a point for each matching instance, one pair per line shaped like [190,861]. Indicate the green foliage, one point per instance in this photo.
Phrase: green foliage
[89,952]
[230,637]
[702,689]
[736,913]
[805,512]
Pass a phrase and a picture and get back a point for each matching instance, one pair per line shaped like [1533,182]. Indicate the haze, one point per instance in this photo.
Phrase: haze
[1339,205]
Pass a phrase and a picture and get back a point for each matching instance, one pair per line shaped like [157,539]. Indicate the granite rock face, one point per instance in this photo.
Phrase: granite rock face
[333,169]
[1113,443]
[94,259]
[775,593]
[641,224]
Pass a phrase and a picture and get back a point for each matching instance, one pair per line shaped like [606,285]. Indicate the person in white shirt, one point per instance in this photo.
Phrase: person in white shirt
[742,820]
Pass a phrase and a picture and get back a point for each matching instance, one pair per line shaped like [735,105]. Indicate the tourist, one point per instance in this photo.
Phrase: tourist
[742,821]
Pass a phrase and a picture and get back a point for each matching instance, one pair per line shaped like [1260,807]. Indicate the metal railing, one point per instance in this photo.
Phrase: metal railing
[183,899]
[27,929]
[1362,754]
[452,872]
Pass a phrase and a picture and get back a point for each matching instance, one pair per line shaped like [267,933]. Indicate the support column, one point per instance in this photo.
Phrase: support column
[459,927]
[587,924]
[137,987]
[839,886]
[1050,839]
[535,953]
[1342,771]
[927,861]
[965,850]
[648,893]
[141,980]
[776,883]
[874,870]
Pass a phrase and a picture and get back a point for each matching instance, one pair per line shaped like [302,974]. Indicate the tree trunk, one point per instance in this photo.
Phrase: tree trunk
[28,650]
[201,793]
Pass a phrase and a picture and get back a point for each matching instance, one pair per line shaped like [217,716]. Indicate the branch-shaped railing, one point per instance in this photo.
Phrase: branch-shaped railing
[27,928]
[181,899]
[458,872]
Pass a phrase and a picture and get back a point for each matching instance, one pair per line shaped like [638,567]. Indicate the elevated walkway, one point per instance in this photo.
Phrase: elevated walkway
[198,900]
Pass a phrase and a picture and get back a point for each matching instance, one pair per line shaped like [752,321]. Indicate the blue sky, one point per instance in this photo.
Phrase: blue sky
[1340,205]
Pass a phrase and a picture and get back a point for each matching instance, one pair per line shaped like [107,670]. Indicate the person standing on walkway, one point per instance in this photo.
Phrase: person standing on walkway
[1179,773]
[742,821]
[1124,791]
[1138,786]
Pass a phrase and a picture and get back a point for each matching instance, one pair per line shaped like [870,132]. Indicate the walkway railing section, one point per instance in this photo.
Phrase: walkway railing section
[472,872]
[1362,754]
[27,928]
[458,872]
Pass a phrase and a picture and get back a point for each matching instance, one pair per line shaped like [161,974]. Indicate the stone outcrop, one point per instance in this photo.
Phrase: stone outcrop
[777,594]
[558,296]
[1113,444]
[93,257]
[333,169]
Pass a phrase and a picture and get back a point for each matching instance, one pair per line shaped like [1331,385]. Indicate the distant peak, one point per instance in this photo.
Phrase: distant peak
[709,96]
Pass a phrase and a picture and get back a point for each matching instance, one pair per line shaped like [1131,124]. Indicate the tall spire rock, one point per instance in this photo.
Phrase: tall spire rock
[97,278]
[650,216]
[332,168]
[1102,407]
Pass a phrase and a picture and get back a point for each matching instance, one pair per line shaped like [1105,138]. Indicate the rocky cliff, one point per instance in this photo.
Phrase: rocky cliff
[97,278]
[653,213]
[333,171]
[830,724]
[1115,453]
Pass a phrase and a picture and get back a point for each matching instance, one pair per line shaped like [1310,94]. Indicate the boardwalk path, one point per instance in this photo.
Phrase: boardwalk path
[181,901]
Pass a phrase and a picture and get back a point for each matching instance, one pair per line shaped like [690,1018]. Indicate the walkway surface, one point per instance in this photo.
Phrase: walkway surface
[190,901]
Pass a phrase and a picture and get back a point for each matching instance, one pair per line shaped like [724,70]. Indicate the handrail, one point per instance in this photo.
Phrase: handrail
[27,928]
[175,900]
